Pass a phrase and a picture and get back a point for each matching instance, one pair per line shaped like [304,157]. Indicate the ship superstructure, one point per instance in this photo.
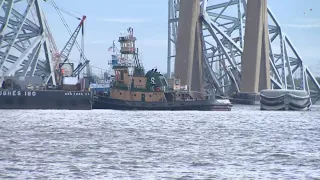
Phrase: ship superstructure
[132,88]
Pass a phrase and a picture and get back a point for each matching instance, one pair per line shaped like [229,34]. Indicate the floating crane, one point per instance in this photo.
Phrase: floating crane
[65,52]
[63,56]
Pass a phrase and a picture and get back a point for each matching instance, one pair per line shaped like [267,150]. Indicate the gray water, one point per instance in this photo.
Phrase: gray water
[101,144]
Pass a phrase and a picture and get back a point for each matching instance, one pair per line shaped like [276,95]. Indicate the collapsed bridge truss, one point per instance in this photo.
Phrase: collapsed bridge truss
[24,40]
[223,32]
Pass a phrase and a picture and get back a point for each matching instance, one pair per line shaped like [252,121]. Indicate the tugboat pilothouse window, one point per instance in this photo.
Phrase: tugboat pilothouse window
[177,81]
[121,75]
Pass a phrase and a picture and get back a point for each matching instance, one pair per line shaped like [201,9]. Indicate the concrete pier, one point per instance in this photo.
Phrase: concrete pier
[255,64]
[188,62]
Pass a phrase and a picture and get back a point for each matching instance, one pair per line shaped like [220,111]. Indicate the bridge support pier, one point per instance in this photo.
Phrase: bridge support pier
[255,74]
[189,56]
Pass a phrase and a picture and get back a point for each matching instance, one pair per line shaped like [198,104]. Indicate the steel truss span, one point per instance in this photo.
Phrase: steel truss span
[223,31]
[24,40]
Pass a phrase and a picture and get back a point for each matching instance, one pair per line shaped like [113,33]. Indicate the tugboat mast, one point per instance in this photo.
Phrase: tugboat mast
[128,52]
[127,48]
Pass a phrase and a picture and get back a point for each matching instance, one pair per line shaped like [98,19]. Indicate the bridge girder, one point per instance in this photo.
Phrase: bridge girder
[24,48]
[223,32]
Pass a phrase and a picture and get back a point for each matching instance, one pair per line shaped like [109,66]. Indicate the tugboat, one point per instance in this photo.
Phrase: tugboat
[133,89]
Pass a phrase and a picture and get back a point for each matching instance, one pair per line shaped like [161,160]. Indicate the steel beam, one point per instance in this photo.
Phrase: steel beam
[23,40]
[223,32]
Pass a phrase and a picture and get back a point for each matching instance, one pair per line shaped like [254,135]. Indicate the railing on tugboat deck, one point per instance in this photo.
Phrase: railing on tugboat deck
[210,96]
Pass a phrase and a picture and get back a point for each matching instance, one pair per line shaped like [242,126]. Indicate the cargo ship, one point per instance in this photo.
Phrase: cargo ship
[30,93]
[133,89]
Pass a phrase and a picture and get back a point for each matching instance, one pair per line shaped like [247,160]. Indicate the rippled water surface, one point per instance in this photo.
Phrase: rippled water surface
[244,143]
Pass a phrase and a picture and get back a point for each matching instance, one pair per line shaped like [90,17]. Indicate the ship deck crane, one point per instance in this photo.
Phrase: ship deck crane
[65,52]
[68,47]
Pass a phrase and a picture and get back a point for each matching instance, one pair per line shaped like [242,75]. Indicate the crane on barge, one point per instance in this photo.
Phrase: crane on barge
[62,59]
